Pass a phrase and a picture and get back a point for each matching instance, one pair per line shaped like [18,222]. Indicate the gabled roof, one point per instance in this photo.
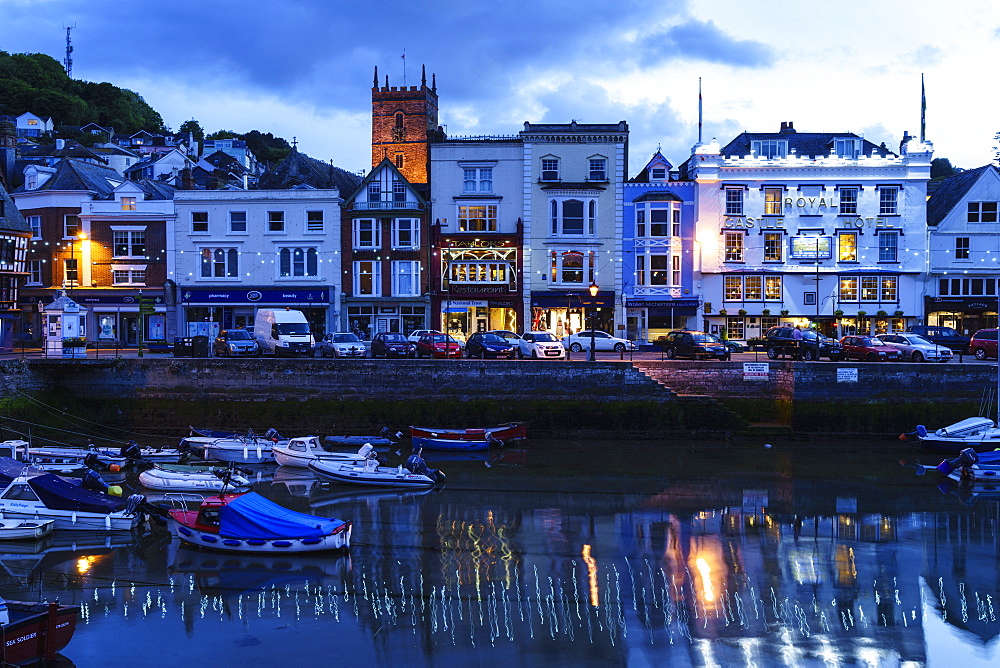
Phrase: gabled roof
[11,219]
[657,159]
[299,169]
[951,191]
[385,164]
[69,150]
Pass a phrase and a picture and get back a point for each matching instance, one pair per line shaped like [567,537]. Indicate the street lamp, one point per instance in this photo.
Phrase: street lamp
[593,296]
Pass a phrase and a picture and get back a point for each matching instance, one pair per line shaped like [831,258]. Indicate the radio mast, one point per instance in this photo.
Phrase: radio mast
[68,62]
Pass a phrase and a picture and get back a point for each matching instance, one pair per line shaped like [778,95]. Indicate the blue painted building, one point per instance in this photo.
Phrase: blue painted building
[658,221]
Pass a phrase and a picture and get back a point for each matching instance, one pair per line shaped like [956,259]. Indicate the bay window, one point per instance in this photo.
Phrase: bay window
[477,218]
[571,267]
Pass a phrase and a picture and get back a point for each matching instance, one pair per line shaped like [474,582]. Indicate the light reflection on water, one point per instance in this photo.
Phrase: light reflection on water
[705,556]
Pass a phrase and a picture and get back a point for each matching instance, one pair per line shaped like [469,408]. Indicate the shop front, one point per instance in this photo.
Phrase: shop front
[966,315]
[648,319]
[478,289]
[113,318]
[367,317]
[205,311]
[568,312]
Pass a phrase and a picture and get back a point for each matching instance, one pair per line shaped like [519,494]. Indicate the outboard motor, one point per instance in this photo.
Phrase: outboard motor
[967,457]
[93,481]
[131,450]
[272,435]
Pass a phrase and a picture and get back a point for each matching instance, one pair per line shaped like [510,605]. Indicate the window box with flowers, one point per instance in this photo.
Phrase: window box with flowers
[74,347]
[784,312]
[723,312]
[838,313]
[882,314]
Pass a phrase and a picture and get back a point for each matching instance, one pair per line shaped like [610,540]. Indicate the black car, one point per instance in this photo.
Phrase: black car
[235,342]
[488,344]
[392,344]
[780,341]
[943,336]
[693,344]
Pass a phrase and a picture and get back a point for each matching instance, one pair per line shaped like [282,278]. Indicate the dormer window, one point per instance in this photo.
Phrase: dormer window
[657,174]
[128,204]
[769,148]
[847,148]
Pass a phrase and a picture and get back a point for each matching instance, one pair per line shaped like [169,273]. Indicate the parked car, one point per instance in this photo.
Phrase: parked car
[780,341]
[392,344]
[731,345]
[540,345]
[916,348]
[417,333]
[945,336]
[869,349]
[488,344]
[342,344]
[235,342]
[984,344]
[602,341]
[438,345]
[693,344]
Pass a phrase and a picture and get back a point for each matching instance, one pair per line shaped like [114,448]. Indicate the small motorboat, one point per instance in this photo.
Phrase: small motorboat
[499,435]
[133,451]
[979,433]
[17,450]
[251,523]
[372,475]
[72,506]
[25,529]
[182,478]
[301,450]
[50,457]
[455,444]
[972,468]
[35,632]
[384,438]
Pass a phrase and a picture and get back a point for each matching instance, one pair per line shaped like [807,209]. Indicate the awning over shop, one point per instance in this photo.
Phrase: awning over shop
[574,299]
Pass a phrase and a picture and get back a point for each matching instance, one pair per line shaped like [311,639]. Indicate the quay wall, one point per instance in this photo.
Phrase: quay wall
[644,397]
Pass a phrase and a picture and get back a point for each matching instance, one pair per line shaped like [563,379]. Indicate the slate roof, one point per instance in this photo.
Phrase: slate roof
[657,197]
[643,175]
[950,192]
[156,189]
[11,219]
[299,169]
[804,143]
[69,150]
[78,175]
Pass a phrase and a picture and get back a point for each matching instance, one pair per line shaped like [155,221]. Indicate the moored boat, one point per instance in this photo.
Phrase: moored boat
[35,631]
[979,433]
[454,444]
[25,529]
[506,432]
[301,450]
[376,476]
[72,506]
[181,478]
[251,523]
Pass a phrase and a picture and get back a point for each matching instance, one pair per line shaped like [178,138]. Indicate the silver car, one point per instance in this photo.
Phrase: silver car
[916,348]
[342,344]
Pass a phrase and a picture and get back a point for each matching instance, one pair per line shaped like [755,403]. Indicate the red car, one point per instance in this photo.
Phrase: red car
[869,349]
[984,344]
[438,345]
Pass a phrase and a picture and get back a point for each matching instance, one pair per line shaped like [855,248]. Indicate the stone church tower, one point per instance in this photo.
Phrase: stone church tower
[404,123]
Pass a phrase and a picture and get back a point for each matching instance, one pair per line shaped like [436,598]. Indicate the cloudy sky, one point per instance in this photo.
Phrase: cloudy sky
[304,68]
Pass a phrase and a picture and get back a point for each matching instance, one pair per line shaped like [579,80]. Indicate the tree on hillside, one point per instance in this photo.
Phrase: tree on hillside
[941,168]
[194,127]
[223,134]
[266,146]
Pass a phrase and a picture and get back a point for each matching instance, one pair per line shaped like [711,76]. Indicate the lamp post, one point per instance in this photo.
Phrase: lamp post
[593,295]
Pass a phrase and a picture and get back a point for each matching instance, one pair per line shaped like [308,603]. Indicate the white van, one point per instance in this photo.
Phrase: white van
[283,332]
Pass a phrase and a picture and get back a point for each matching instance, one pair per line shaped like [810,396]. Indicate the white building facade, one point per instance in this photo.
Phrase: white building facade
[234,251]
[963,284]
[573,176]
[822,230]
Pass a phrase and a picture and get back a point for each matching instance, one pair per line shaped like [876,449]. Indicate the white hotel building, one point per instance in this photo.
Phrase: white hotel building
[812,229]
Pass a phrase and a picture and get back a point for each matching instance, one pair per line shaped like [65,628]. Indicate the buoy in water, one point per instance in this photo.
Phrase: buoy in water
[115,490]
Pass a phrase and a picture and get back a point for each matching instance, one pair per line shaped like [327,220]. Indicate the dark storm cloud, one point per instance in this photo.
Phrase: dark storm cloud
[704,41]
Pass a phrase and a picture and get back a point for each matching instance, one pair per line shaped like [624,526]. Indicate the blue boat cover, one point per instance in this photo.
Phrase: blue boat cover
[252,516]
[59,494]
[10,469]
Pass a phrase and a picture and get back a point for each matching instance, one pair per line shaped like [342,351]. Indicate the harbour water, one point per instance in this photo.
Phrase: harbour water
[566,553]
